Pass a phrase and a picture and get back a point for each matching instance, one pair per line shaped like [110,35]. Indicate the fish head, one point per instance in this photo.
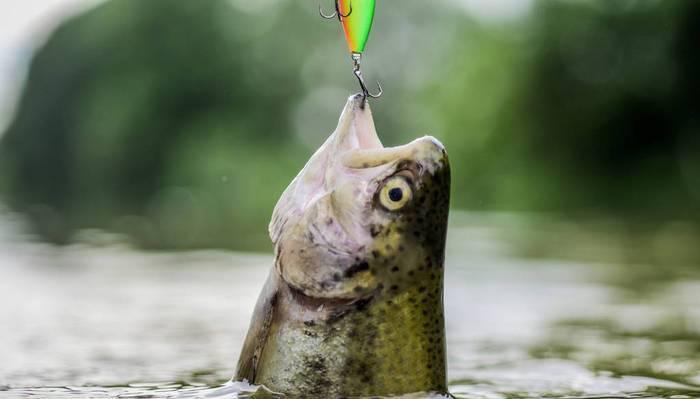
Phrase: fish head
[361,219]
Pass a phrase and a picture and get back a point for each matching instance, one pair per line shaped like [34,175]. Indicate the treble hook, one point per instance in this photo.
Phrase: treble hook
[356,58]
[337,12]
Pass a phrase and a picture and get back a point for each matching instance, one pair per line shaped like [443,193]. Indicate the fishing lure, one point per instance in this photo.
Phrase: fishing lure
[356,17]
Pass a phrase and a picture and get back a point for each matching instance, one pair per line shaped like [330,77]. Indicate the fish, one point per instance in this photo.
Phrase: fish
[353,306]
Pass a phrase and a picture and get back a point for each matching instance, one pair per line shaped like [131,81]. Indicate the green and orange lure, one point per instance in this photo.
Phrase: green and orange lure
[357,17]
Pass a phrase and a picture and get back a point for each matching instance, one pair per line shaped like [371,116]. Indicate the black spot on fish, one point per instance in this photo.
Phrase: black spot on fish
[357,306]
[362,303]
[317,366]
[356,268]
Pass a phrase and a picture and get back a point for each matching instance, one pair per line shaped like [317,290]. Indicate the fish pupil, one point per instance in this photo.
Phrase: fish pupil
[396,194]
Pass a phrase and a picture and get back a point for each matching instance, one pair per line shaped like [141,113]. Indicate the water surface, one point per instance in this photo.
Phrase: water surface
[104,320]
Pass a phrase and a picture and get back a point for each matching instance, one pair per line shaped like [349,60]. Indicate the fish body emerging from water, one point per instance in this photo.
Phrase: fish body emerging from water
[353,306]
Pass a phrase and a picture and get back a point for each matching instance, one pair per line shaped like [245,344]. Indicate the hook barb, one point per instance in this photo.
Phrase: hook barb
[356,58]
[337,12]
[363,86]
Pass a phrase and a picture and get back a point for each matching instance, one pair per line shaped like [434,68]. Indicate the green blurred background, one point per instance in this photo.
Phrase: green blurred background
[177,124]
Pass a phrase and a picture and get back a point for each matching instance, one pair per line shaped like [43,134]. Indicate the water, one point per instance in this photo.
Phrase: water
[524,319]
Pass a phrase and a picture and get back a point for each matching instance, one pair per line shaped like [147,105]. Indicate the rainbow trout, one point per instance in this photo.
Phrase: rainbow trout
[353,306]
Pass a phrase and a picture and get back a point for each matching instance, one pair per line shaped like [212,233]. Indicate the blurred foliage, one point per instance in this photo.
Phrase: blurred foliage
[586,108]
[179,123]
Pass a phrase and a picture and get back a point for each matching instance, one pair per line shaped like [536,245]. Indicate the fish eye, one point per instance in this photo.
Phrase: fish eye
[395,193]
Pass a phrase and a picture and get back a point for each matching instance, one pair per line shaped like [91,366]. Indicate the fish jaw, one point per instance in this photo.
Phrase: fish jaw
[355,130]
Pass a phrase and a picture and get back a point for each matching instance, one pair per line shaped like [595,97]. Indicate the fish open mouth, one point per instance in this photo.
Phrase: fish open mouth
[362,124]
[356,130]
[358,145]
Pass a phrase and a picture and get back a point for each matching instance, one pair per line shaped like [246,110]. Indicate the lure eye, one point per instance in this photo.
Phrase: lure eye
[395,193]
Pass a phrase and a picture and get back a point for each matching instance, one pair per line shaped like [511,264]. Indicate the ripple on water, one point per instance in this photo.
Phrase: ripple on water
[230,390]
[235,390]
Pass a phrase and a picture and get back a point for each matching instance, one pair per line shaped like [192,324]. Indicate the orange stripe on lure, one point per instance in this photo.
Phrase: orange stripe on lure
[358,22]
[357,17]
